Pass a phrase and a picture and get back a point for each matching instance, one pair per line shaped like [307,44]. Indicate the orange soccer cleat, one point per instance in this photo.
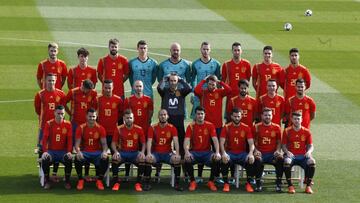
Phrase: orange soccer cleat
[192,185]
[212,186]
[99,185]
[226,187]
[80,184]
[291,189]
[248,187]
[138,187]
[116,187]
[308,190]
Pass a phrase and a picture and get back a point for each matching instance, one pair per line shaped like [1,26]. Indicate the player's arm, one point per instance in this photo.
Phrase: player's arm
[254,76]
[78,135]
[309,151]
[149,145]
[199,87]
[68,98]
[312,115]
[186,146]
[250,156]
[222,145]
[70,78]
[227,88]
[125,70]
[37,104]
[217,71]
[104,147]
[216,144]
[224,75]
[69,140]
[186,89]
[63,74]
[45,138]
[307,78]
[160,73]
[39,75]
[188,73]
[100,69]
[284,143]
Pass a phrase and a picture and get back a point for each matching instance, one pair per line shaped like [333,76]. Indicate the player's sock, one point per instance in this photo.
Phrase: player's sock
[287,171]
[140,171]
[190,170]
[104,164]
[68,168]
[158,169]
[279,170]
[55,168]
[225,172]
[250,172]
[147,172]
[127,169]
[311,172]
[78,167]
[45,164]
[200,169]
[115,171]
[87,169]
[214,170]
[232,170]
[177,171]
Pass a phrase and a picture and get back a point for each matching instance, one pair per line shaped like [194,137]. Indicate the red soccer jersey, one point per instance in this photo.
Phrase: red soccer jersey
[200,136]
[162,137]
[129,139]
[248,107]
[90,137]
[109,109]
[289,77]
[232,72]
[212,102]
[45,103]
[114,69]
[296,141]
[76,75]
[236,137]
[58,68]
[80,103]
[261,73]
[266,137]
[306,106]
[57,136]
[142,108]
[277,104]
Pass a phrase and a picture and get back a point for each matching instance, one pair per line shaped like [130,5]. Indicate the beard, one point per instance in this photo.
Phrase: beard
[236,122]
[113,52]
[243,94]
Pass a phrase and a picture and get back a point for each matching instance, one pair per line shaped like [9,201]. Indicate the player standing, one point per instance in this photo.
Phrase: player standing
[115,67]
[57,146]
[91,147]
[264,71]
[298,148]
[52,65]
[143,68]
[197,146]
[126,143]
[82,71]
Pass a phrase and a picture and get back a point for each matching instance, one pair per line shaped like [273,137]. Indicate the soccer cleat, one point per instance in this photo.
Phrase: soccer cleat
[212,186]
[258,189]
[219,180]
[177,187]
[232,181]
[248,187]
[291,189]
[80,184]
[147,187]
[47,185]
[226,187]
[54,178]
[157,179]
[192,185]
[67,185]
[125,179]
[138,187]
[99,185]
[308,190]
[199,180]
[116,187]
[278,188]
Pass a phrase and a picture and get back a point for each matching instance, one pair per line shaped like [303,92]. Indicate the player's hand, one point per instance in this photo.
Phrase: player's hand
[188,157]
[177,158]
[45,155]
[149,158]
[289,154]
[225,158]
[217,156]
[250,158]
[141,156]
[79,155]
[257,153]
[308,155]
[277,153]
[116,156]
[69,155]
[104,155]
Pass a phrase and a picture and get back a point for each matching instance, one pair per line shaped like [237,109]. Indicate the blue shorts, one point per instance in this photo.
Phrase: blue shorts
[57,156]
[162,157]
[92,157]
[238,158]
[202,157]
[299,160]
[129,157]
[268,158]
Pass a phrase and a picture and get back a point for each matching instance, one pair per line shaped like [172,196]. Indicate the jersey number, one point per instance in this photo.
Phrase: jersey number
[107,112]
[266,140]
[129,143]
[57,138]
[83,105]
[113,72]
[162,141]
[51,106]
[91,142]
[296,145]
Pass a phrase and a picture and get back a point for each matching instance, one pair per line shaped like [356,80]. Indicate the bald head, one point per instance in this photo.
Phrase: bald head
[138,87]
[175,51]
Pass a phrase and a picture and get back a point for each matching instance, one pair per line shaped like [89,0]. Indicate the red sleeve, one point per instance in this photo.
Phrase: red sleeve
[120,107]
[307,78]
[254,73]
[151,104]
[223,132]
[127,103]
[287,107]
[70,78]
[259,102]
[78,133]
[142,136]
[198,89]
[69,139]
[312,106]
[126,69]
[102,132]
[309,140]
[227,89]
[45,137]
[281,78]
[284,137]
[249,133]
[150,132]
[64,72]
[212,131]
[248,71]
[100,68]
[93,76]
[68,97]
[223,72]
[278,133]
[40,72]
[94,103]
[174,132]
[256,108]
[229,106]
[37,104]
[116,136]
[188,132]
[282,106]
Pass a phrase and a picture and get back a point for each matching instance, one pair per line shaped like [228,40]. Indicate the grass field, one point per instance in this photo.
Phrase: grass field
[329,43]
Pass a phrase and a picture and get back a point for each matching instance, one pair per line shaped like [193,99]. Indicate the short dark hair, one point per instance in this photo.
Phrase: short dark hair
[83,51]
[235,44]
[88,84]
[296,113]
[293,50]
[266,109]
[267,47]
[91,110]
[127,112]
[300,80]
[205,43]
[235,110]
[141,42]
[199,108]
[108,81]
[51,74]
[59,107]
[243,82]
[113,41]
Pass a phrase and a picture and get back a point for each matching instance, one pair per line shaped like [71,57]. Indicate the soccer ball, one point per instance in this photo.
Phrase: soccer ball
[308,12]
[287,27]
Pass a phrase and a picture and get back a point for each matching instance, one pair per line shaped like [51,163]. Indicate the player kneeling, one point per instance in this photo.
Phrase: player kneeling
[267,136]
[233,141]
[160,137]
[298,147]
[57,146]
[199,135]
[91,147]
[125,144]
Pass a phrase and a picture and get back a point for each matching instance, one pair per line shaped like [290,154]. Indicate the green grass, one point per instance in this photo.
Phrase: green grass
[329,46]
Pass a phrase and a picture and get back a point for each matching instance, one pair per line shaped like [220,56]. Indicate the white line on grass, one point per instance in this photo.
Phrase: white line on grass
[16,101]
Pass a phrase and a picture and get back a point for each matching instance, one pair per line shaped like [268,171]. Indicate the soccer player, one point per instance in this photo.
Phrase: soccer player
[91,147]
[264,71]
[45,102]
[245,102]
[235,69]
[159,150]
[173,91]
[298,148]
[57,146]
[197,146]
[52,65]
[115,67]
[143,68]
[175,64]
[301,103]
[110,108]
[293,72]
[125,144]
[267,136]
[273,101]
[234,139]
[141,105]
[211,99]
[201,68]
[82,71]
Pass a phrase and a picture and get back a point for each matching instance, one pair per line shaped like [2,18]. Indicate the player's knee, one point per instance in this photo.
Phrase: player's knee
[67,159]
[287,162]
[311,162]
